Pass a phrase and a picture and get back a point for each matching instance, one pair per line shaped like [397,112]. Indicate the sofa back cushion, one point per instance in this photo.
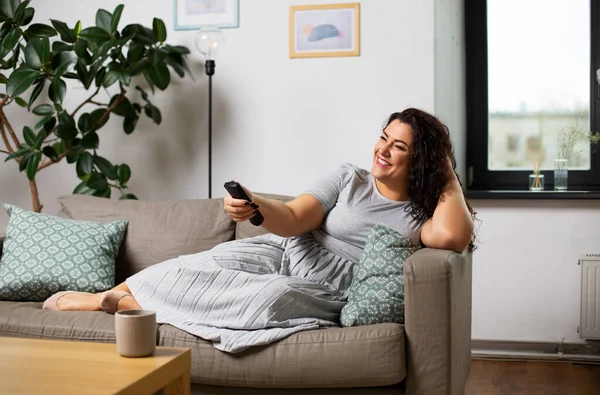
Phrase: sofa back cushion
[157,231]
[246,229]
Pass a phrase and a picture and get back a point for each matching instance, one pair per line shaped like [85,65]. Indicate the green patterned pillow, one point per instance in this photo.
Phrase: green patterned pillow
[377,291]
[44,254]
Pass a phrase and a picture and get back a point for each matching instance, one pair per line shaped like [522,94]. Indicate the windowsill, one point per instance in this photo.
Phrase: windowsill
[526,194]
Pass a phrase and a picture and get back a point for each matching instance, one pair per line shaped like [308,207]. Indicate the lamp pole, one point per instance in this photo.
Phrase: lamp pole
[209,40]
[209,67]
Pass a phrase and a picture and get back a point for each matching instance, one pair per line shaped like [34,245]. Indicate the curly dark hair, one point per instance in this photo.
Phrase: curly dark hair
[427,177]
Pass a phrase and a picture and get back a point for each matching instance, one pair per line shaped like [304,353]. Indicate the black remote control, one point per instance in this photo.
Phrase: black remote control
[236,191]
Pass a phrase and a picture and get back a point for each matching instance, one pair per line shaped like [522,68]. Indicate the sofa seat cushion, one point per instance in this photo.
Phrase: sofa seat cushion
[362,356]
[27,319]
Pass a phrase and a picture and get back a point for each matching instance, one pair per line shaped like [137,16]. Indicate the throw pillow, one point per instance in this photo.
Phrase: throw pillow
[43,254]
[377,291]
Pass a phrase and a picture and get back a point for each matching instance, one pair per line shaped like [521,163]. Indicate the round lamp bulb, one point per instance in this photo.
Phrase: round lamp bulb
[209,40]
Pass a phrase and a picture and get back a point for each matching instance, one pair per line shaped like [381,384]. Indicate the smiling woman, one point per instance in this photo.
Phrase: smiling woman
[298,277]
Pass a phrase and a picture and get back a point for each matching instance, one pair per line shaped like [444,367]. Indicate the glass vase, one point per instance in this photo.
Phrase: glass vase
[536,182]
[561,174]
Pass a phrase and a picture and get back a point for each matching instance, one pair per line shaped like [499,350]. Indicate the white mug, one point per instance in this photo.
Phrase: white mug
[135,331]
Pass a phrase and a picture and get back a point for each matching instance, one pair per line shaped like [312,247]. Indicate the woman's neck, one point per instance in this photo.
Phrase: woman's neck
[398,194]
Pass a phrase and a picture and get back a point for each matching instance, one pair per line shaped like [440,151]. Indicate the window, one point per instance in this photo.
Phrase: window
[531,80]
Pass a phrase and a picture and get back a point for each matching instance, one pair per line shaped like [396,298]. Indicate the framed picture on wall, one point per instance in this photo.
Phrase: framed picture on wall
[325,30]
[193,14]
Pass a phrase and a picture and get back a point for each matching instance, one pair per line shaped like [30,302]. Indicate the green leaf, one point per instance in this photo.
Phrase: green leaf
[32,164]
[50,152]
[37,52]
[86,77]
[159,75]
[105,193]
[95,35]
[129,196]
[3,79]
[43,121]
[20,12]
[25,160]
[77,29]
[39,87]
[124,108]
[64,62]
[90,141]
[74,154]
[66,132]
[20,80]
[17,154]
[64,118]
[97,118]
[27,16]
[40,30]
[59,46]
[43,109]
[50,124]
[85,164]
[29,136]
[57,90]
[20,102]
[80,49]
[104,20]
[85,123]
[110,78]
[157,56]
[176,66]
[66,34]
[123,174]
[129,124]
[97,181]
[9,7]
[154,113]
[59,147]
[39,139]
[105,167]
[137,67]
[82,189]
[11,39]
[116,18]
[159,30]
[177,49]
[136,52]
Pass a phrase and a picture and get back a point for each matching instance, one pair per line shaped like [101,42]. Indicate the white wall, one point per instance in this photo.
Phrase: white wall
[526,281]
[280,123]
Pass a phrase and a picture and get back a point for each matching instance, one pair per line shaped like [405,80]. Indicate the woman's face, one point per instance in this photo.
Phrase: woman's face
[393,154]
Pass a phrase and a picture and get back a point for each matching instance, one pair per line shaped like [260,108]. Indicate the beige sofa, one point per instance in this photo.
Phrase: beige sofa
[429,355]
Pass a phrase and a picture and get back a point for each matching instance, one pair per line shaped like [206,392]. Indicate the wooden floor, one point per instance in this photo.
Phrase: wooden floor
[489,377]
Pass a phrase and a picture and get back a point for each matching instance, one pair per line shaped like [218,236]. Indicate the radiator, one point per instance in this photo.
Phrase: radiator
[590,296]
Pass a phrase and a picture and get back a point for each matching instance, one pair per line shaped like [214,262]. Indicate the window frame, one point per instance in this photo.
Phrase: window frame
[480,178]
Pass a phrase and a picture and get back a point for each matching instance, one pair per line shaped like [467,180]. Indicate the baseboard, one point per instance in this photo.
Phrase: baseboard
[588,351]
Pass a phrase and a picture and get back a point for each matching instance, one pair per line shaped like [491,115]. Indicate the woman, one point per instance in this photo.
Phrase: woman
[257,290]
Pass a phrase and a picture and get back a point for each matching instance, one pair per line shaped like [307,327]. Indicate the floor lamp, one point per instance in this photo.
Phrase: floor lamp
[208,41]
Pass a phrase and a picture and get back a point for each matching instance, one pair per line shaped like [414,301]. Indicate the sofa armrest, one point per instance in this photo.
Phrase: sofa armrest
[437,321]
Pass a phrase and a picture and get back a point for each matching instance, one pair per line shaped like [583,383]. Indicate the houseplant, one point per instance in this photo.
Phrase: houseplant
[99,57]
[567,140]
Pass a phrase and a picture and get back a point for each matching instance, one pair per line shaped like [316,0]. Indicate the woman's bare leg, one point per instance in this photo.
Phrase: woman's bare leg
[82,301]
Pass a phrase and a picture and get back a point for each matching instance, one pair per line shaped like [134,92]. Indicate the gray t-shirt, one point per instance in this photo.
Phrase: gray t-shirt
[352,205]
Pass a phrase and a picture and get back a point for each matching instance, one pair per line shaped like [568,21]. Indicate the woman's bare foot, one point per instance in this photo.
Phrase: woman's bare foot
[76,301]
[116,300]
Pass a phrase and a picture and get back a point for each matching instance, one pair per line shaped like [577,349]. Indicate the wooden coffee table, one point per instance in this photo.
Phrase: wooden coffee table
[29,366]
